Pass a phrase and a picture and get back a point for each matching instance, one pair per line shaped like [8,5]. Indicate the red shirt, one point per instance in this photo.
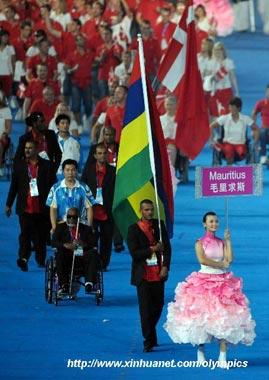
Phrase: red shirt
[13,28]
[36,86]
[110,60]
[148,10]
[99,212]
[111,154]
[151,272]
[48,110]
[82,76]
[49,61]
[262,106]
[32,203]
[101,106]
[114,118]
[163,33]
[152,54]
[21,47]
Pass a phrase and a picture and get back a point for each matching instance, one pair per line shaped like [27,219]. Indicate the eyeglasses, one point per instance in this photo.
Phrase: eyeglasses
[72,217]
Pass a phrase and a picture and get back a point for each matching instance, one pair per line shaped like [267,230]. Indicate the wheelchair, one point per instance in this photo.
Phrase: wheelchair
[251,157]
[52,284]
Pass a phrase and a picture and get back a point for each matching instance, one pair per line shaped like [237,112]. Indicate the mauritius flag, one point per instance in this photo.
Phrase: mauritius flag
[142,156]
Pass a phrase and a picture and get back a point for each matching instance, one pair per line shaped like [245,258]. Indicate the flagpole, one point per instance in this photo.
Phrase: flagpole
[151,151]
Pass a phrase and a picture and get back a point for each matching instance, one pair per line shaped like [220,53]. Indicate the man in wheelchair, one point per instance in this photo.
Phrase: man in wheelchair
[233,142]
[74,242]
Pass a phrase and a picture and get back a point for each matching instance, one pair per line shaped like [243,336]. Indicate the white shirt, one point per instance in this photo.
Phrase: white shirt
[34,50]
[235,131]
[203,64]
[70,150]
[121,72]
[63,18]
[5,60]
[5,114]
[214,66]
[169,126]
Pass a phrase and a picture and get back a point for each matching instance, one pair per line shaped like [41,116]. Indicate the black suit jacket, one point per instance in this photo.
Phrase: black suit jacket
[89,177]
[139,248]
[19,186]
[62,235]
[54,151]
[91,159]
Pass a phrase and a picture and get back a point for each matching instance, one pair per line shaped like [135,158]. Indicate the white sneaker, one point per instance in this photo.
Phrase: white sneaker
[263,160]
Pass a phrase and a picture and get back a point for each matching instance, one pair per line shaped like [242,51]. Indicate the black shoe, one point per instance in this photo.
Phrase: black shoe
[22,263]
[88,287]
[118,248]
[148,349]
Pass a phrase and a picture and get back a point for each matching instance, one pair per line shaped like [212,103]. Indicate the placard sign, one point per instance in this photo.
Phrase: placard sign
[228,181]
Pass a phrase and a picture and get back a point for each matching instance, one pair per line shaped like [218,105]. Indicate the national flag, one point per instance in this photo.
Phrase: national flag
[134,174]
[180,74]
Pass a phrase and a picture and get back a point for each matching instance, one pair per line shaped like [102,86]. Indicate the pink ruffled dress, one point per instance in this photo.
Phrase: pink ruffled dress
[210,304]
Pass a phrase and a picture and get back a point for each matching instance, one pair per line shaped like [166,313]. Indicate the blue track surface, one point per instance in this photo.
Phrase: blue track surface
[37,339]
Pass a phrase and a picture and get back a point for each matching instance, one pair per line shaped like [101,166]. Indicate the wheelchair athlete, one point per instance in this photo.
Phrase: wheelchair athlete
[234,142]
[73,238]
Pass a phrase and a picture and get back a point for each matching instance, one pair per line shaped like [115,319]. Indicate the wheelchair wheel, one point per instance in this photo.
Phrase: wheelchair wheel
[99,296]
[49,280]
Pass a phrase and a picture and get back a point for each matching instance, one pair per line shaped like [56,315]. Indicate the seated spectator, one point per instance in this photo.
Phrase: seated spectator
[47,104]
[60,13]
[47,144]
[7,63]
[42,57]
[62,108]
[115,113]
[69,146]
[70,193]
[5,129]
[11,24]
[164,29]
[108,57]
[124,70]
[78,65]
[74,238]
[234,132]
[262,107]
[34,90]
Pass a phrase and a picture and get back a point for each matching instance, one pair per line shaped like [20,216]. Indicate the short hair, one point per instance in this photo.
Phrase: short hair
[236,102]
[209,213]
[110,128]
[69,161]
[31,141]
[147,201]
[99,145]
[33,118]
[62,116]
[25,23]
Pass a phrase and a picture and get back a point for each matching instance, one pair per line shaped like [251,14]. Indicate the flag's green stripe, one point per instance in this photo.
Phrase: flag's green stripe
[132,176]
[124,216]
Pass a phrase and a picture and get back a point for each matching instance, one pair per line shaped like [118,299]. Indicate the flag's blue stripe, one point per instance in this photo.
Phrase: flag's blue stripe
[134,103]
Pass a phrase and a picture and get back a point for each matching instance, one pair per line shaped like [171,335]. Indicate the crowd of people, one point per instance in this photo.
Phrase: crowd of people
[67,63]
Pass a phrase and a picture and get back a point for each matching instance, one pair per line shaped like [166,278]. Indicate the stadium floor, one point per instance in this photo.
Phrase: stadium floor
[38,339]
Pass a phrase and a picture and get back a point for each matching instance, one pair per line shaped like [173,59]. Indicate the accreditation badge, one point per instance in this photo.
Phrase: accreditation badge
[33,188]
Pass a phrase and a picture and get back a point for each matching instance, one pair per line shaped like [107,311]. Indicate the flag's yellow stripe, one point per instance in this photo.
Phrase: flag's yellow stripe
[134,138]
[145,192]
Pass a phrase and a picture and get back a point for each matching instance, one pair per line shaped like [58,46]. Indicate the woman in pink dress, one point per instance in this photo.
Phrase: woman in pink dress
[210,303]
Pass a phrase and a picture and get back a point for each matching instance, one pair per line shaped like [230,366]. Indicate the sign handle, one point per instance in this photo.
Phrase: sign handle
[226,213]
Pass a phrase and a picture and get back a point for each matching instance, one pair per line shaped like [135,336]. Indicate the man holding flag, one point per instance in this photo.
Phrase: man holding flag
[143,173]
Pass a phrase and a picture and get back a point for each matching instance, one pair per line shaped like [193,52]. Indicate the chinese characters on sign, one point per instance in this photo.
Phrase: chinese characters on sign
[228,181]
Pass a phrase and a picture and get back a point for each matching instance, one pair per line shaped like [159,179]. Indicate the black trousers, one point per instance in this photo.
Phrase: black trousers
[33,230]
[86,265]
[104,235]
[151,300]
